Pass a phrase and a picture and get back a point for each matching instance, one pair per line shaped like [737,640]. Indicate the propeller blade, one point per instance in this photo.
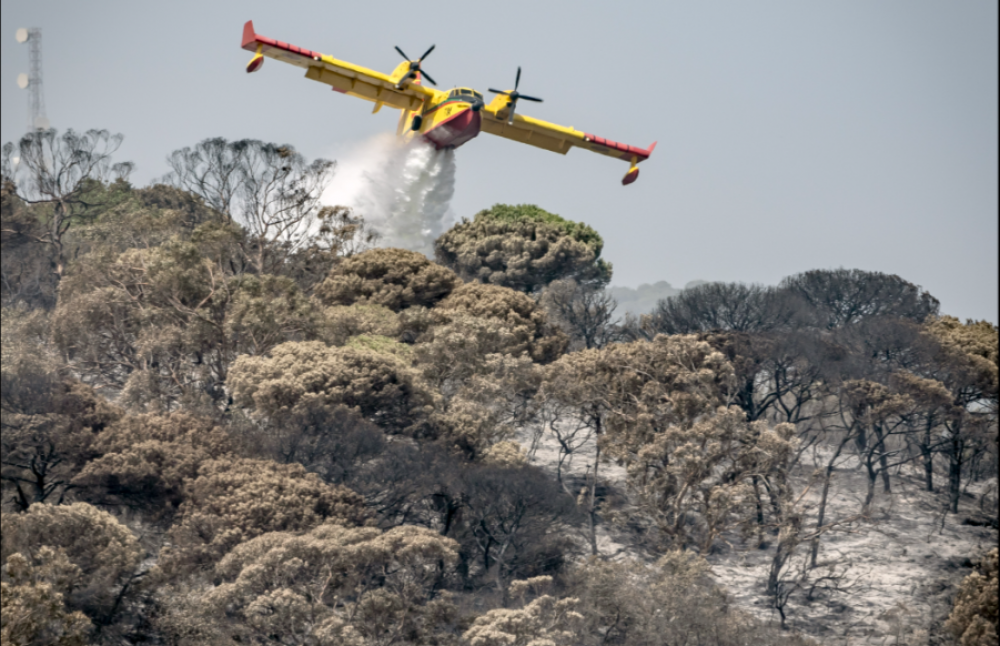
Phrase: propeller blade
[499,92]
[402,81]
[427,52]
[518,81]
[510,119]
[428,77]
[529,98]
[402,53]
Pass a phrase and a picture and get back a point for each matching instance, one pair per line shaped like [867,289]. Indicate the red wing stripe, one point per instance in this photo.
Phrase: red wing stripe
[251,40]
[286,47]
[641,153]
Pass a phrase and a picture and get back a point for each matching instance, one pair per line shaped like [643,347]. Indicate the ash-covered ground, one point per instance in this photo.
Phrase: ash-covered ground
[893,572]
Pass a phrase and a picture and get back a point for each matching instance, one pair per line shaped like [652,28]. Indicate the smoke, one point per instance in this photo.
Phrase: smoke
[402,190]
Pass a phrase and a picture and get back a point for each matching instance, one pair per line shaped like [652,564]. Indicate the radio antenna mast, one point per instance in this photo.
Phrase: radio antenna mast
[32,81]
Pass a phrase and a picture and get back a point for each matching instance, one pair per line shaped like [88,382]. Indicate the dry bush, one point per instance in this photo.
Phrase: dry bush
[27,263]
[382,345]
[689,460]
[32,601]
[966,360]
[493,301]
[694,465]
[544,620]
[394,278]
[513,524]
[339,323]
[265,311]
[494,398]
[841,297]
[450,354]
[674,601]
[232,501]
[66,174]
[145,460]
[514,323]
[334,442]
[140,219]
[974,619]
[731,307]
[49,420]
[176,614]
[383,389]
[506,454]
[585,313]
[335,585]
[99,553]
[162,325]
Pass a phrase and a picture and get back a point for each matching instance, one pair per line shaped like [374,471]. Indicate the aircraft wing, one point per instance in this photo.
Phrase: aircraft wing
[560,139]
[345,77]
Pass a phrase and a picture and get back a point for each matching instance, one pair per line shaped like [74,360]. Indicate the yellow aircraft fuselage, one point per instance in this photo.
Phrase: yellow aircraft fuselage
[448,123]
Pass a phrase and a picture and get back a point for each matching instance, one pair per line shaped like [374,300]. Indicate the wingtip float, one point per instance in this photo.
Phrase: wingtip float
[446,119]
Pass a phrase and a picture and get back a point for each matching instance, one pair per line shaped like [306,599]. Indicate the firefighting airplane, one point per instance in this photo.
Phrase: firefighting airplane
[445,119]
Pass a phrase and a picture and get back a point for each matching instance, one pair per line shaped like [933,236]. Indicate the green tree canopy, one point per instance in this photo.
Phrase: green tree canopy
[393,278]
[523,247]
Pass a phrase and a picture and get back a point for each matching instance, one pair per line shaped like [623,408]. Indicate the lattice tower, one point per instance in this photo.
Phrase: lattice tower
[36,100]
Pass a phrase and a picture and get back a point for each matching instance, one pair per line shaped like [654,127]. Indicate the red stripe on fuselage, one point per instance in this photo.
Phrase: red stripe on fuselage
[455,130]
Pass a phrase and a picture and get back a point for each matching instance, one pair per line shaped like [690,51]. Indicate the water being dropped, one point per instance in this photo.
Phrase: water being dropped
[403,191]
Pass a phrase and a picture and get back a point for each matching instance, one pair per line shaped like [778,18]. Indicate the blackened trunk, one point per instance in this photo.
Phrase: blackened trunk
[861,439]
[872,477]
[760,510]
[592,511]
[821,515]
[954,472]
[883,460]
[928,468]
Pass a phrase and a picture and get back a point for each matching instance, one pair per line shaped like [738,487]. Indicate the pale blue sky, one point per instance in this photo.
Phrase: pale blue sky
[792,135]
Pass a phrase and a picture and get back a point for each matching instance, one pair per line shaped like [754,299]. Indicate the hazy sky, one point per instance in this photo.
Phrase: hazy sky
[792,135]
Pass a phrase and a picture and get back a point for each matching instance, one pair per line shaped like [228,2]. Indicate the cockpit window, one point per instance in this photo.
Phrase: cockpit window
[458,92]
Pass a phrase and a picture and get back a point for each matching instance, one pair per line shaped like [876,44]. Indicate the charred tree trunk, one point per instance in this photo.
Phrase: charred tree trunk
[872,477]
[760,510]
[861,439]
[955,456]
[928,455]
[592,503]
[821,515]
[883,460]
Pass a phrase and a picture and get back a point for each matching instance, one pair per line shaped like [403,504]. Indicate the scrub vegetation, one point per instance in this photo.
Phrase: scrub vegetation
[229,416]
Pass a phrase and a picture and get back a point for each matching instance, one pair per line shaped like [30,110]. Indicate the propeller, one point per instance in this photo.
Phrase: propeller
[415,68]
[514,96]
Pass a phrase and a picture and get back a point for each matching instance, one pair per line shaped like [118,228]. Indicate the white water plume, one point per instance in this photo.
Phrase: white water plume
[402,190]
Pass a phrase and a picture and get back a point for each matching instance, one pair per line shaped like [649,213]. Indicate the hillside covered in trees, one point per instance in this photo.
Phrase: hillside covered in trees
[230,416]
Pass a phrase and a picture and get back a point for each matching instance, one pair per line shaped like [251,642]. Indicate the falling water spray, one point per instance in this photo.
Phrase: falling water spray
[402,190]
